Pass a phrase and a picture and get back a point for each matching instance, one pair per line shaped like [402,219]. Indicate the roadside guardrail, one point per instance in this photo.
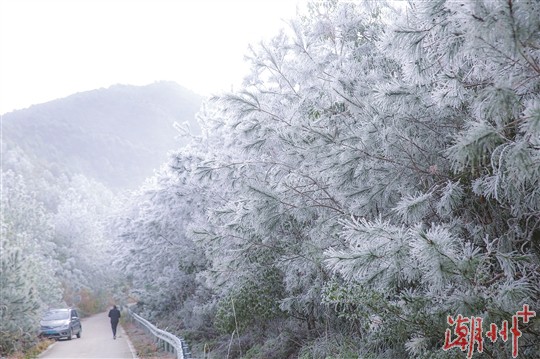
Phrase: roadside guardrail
[166,340]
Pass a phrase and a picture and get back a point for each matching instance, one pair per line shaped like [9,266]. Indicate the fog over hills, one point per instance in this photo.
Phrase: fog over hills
[117,135]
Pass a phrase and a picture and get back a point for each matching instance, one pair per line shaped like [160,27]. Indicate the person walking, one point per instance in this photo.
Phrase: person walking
[114,314]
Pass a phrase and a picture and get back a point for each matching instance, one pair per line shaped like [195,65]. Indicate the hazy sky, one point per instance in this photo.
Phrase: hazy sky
[53,48]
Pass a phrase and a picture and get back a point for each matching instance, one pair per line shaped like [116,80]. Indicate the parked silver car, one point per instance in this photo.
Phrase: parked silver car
[61,323]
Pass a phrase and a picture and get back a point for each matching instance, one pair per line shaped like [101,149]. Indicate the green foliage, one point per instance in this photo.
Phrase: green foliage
[336,347]
[254,302]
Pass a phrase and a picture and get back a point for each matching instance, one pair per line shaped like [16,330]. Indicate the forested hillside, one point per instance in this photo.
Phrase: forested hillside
[116,136]
[378,172]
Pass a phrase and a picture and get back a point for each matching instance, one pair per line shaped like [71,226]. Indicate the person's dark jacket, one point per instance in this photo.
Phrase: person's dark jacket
[114,314]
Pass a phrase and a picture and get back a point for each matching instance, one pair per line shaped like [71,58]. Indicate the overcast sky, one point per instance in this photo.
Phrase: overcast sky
[53,48]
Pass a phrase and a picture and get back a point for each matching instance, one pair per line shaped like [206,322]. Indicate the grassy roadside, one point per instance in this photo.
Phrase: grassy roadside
[143,342]
[34,351]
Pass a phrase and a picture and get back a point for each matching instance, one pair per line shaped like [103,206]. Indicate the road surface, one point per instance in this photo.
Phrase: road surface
[96,342]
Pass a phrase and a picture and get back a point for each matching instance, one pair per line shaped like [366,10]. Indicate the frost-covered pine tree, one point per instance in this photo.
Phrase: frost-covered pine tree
[463,239]
[286,174]
[27,280]
[18,303]
[82,248]
[155,249]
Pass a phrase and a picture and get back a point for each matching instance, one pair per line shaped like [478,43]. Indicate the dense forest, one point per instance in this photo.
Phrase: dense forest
[377,173]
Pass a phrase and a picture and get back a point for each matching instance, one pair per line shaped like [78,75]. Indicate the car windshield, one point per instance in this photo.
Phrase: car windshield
[56,315]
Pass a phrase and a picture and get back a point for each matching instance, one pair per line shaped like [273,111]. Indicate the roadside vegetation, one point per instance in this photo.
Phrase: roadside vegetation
[33,351]
[145,346]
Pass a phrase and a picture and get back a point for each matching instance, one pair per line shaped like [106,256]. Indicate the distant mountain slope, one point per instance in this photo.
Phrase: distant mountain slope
[117,135]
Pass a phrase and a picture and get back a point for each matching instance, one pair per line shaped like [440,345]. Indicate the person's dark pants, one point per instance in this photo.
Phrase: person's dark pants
[114,324]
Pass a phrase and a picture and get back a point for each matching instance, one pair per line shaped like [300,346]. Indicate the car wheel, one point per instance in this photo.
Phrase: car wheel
[79,333]
[70,334]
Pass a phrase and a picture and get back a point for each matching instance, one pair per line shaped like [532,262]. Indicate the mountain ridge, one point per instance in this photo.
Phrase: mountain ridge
[116,135]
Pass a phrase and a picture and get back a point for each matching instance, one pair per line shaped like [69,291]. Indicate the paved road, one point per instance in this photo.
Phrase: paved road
[96,342]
